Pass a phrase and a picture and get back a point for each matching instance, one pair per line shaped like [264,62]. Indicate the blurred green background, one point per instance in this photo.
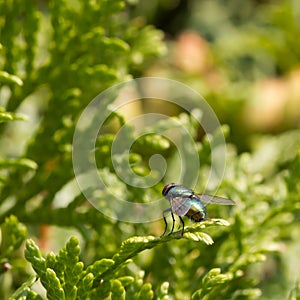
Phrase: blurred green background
[243,57]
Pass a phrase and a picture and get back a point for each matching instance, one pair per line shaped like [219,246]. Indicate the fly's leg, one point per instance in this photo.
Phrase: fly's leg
[166,224]
[182,230]
[172,224]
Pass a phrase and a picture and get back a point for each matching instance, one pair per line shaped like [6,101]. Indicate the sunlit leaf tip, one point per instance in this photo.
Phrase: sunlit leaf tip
[199,236]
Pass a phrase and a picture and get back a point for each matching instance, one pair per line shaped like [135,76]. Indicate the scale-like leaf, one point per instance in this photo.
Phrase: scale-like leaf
[199,236]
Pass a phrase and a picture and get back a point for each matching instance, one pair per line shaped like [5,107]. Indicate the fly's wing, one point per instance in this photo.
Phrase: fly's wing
[208,199]
[180,205]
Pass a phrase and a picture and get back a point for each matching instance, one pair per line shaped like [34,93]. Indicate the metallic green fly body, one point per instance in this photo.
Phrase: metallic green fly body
[184,202]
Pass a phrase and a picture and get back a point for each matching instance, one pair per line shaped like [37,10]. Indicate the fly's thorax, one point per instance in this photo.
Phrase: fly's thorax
[177,190]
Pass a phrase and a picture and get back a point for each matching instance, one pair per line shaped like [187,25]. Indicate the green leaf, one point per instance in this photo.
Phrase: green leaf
[115,44]
[199,236]
[69,255]
[102,71]
[54,288]
[154,141]
[25,292]
[9,78]
[146,292]
[9,116]
[117,290]
[19,162]
[100,266]
[214,278]
[34,256]
[32,251]
[85,286]
[13,235]
[126,280]
[247,294]
[163,291]
[134,245]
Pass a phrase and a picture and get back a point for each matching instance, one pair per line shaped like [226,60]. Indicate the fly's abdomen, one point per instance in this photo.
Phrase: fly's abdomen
[196,215]
[197,211]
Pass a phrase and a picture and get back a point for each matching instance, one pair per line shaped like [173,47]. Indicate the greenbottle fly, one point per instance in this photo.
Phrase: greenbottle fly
[184,202]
